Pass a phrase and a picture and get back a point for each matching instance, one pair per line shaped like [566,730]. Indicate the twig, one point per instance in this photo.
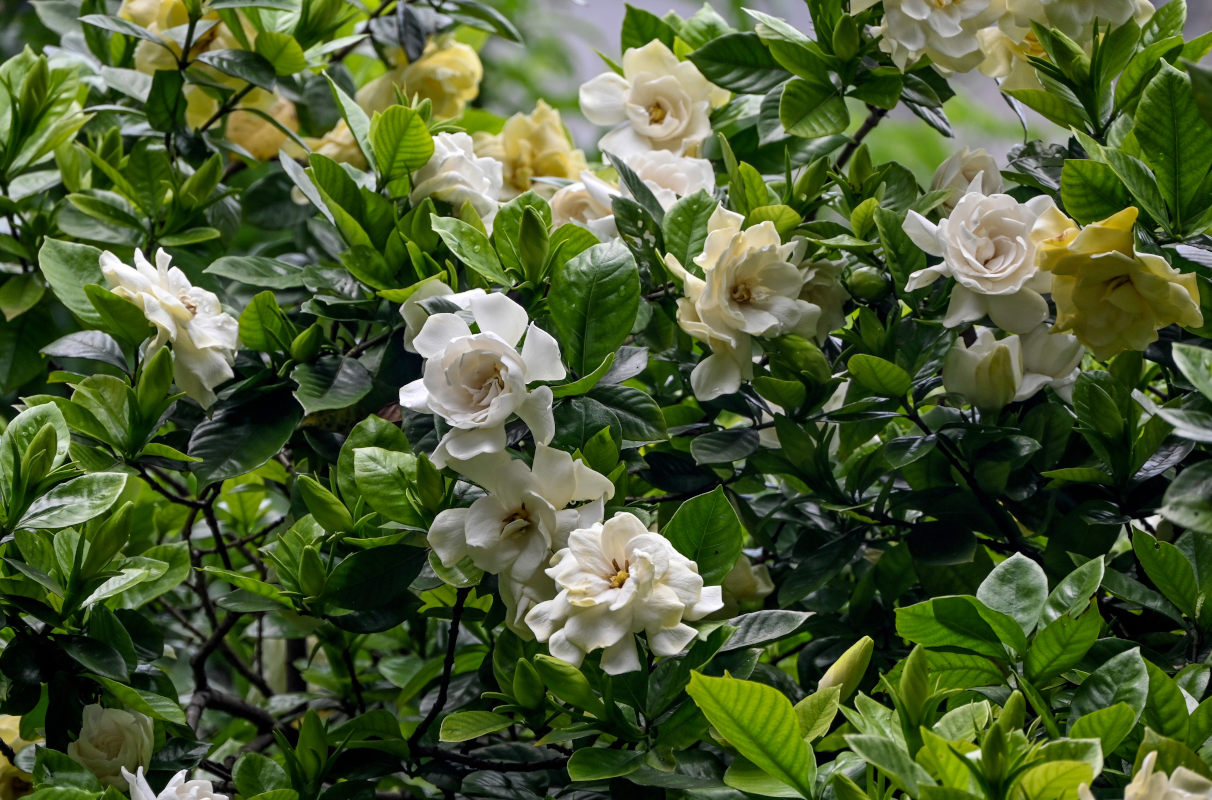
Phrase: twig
[230,704]
[873,119]
[452,641]
[180,500]
[361,348]
[493,766]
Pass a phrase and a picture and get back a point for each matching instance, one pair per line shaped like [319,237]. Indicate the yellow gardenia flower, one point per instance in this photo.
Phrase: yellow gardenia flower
[14,783]
[260,137]
[447,74]
[1110,296]
[533,146]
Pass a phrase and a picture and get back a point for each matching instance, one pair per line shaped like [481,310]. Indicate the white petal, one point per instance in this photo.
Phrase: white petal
[447,536]
[535,411]
[603,99]
[437,333]
[1019,312]
[541,353]
[496,313]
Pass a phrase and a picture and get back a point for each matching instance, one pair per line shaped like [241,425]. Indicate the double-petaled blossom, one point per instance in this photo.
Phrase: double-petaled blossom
[961,169]
[658,103]
[616,579]
[1110,296]
[477,380]
[112,740]
[512,530]
[204,338]
[532,146]
[944,30]
[988,245]
[750,287]
[178,788]
[456,175]
[447,74]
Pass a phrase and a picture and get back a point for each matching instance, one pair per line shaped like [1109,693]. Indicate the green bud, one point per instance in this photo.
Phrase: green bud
[1014,712]
[868,283]
[846,39]
[796,357]
[39,455]
[307,344]
[848,670]
[330,512]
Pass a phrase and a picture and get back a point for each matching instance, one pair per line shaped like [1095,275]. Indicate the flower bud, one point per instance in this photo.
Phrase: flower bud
[307,344]
[112,739]
[867,283]
[988,372]
[848,670]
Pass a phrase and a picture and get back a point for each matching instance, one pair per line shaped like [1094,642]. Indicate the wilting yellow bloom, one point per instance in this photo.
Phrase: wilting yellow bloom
[447,74]
[338,144]
[260,137]
[1110,296]
[533,146]
[14,783]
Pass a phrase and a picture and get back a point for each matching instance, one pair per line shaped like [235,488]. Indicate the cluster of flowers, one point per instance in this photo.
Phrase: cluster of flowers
[993,35]
[1006,256]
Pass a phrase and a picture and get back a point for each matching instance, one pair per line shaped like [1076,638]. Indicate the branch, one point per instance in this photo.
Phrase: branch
[452,641]
[230,704]
[873,119]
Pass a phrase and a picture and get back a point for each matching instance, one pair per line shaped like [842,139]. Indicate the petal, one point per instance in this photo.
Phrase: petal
[535,411]
[621,657]
[670,641]
[965,306]
[714,376]
[447,536]
[414,396]
[603,98]
[541,353]
[923,233]
[437,333]
[496,313]
[463,444]
[1019,312]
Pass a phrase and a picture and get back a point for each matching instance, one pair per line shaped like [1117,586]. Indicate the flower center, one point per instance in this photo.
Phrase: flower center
[620,575]
[741,293]
[940,3]
[657,114]
[190,306]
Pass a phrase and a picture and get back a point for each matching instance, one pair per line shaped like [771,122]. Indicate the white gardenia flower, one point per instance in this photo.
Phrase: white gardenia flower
[959,172]
[456,175]
[670,177]
[944,30]
[178,788]
[1049,359]
[513,529]
[616,579]
[988,372]
[987,245]
[658,103]
[203,336]
[112,740]
[1181,784]
[477,381]
[751,287]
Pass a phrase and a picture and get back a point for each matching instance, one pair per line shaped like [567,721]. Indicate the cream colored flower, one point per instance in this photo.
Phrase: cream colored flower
[588,203]
[455,175]
[670,176]
[14,782]
[338,144]
[532,146]
[1182,784]
[616,579]
[988,372]
[112,740]
[658,103]
[745,587]
[1049,359]
[260,137]
[959,172]
[987,245]
[178,788]
[203,336]
[477,381]
[512,530]
[751,287]
[944,30]
[447,74]
[1110,296]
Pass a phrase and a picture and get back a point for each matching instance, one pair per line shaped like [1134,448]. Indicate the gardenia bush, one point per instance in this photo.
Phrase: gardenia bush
[362,444]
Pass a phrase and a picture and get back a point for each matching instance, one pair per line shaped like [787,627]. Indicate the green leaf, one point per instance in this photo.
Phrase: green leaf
[639,417]
[1188,499]
[816,711]
[961,622]
[264,326]
[242,64]
[1062,644]
[68,268]
[330,383]
[463,726]
[74,501]
[256,774]
[153,705]
[594,300]
[1171,754]
[282,51]
[600,763]
[1072,594]
[707,530]
[1169,570]
[1059,778]
[1109,725]
[641,27]
[52,768]
[1195,363]
[402,142]
[760,723]
[685,227]
[880,376]
[1175,141]
[724,447]
[1018,588]
[812,108]
[95,656]
[258,271]
[740,63]
[471,247]
[1091,191]
[568,684]
[238,439]
[1121,679]
[892,758]
[356,119]
[763,627]
[385,479]
[371,579]
[1166,708]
